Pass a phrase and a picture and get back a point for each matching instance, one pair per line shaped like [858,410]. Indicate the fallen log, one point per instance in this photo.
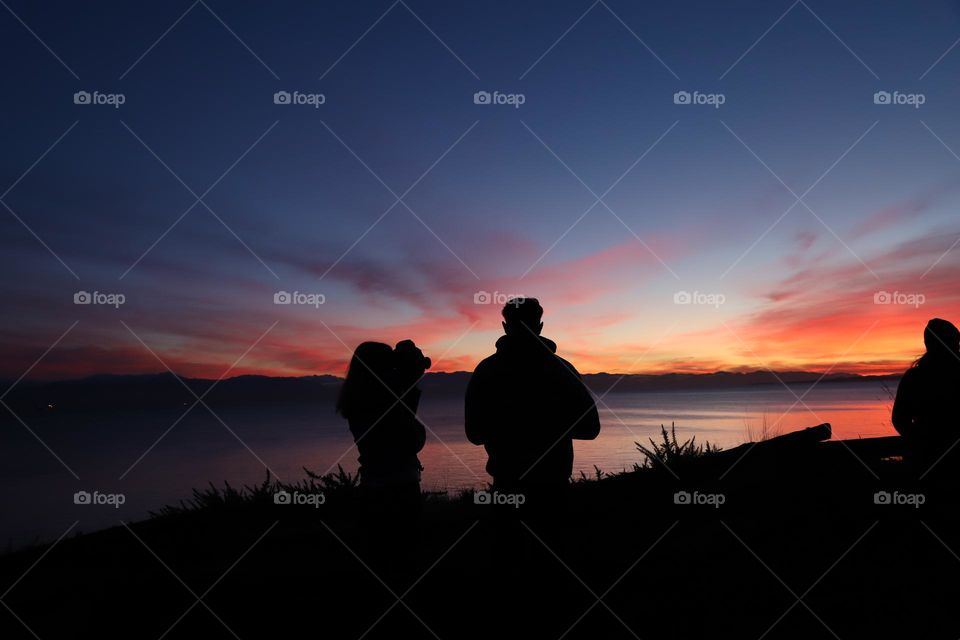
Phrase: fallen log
[810,435]
[869,448]
[794,448]
[802,440]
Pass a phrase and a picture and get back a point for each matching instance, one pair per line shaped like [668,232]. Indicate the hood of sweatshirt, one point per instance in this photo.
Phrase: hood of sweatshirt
[509,345]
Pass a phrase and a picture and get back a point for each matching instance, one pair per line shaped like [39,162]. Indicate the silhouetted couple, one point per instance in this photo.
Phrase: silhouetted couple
[524,404]
[927,408]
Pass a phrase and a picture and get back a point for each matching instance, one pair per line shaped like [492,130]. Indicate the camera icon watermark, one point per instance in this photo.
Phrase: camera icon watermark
[297,98]
[512,99]
[114,100]
[299,298]
[915,500]
[914,100]
[514,500]
[99,298]
[497,298]
[899,298]
[699,298]
[99,499]
[297,498]
[715,500]
[714,100]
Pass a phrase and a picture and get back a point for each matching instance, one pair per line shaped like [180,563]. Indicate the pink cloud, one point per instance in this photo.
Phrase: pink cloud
[905,210]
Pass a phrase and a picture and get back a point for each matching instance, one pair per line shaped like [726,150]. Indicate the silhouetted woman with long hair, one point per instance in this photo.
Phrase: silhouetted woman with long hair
[927,408]
[379,399]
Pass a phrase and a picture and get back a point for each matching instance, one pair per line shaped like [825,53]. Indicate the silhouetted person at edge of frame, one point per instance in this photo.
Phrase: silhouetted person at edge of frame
[927,408]
[379,399]
[526,406]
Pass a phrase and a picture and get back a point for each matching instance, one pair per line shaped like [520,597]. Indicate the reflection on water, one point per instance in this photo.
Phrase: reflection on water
[726,418]
[130,454]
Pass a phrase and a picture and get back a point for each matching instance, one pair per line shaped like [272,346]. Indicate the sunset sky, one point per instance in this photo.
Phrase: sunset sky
[787,212]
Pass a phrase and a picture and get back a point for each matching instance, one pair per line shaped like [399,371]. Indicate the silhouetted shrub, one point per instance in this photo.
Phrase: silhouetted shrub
[671,451]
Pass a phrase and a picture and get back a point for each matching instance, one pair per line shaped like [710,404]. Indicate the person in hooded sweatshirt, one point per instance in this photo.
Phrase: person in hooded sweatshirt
[926,411]
[526,406]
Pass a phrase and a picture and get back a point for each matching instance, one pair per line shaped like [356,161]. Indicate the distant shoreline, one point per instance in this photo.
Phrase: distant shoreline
[746,377]
[166,390]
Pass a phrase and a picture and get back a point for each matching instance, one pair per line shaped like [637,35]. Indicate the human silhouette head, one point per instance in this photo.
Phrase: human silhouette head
[521,317]
[409,357]
[371,369]
[942,338]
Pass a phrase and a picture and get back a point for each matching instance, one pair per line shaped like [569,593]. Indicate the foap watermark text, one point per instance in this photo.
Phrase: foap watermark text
[714,100]
[299,499]
[99,499]
[899,298]
[896,498]
[100,99]
[699,298]
[914,100]
[714,500]
[514,500]
[299,298]
[495,297]
[512,99]
[100,298]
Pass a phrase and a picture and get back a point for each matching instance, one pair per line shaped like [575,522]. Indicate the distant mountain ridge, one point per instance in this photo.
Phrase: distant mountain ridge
[166,390]
[717,380]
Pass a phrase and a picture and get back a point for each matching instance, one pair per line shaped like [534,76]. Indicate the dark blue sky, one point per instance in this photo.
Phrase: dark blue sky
[501,193]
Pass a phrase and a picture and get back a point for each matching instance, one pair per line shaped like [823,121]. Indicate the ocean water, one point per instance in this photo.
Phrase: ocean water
[153,460]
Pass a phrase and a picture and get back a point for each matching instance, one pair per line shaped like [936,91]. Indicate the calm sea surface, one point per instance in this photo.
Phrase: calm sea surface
[130,454]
